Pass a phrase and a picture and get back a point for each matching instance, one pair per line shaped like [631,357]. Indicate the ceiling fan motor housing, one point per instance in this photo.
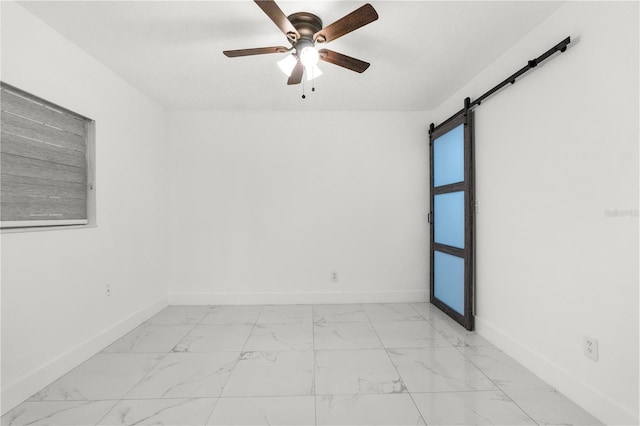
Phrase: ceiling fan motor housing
[307,24]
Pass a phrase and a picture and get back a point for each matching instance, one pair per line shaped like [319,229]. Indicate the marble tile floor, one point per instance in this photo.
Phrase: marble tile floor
[361,364]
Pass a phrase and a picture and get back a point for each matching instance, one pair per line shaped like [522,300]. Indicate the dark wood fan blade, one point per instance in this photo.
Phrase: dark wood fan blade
[296,74]
[343,60]
[255,51]
[356,19]
[279,18]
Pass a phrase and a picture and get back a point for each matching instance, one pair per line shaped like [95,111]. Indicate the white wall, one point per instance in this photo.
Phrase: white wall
[555,152]
[266,204]
[55,313]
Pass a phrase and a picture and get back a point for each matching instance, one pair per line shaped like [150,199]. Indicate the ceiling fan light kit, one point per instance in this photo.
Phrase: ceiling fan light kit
[287,64]
[304,30]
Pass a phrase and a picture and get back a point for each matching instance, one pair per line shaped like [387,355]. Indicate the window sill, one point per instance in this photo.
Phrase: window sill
[45,228]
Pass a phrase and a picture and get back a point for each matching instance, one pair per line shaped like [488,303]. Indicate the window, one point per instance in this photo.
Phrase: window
[45,179]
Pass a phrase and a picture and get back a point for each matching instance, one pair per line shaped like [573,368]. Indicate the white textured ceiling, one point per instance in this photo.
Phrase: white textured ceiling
[420,51]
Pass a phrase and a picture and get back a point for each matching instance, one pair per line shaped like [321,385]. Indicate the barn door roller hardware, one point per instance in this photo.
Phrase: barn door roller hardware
[560,47]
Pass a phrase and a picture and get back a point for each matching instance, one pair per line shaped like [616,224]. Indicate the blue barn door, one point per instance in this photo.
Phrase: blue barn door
[451,217]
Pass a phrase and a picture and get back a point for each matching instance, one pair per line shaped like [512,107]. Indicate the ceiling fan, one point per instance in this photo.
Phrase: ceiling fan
[304,30]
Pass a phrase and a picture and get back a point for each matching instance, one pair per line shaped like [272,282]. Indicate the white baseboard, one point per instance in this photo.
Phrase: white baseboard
[285,298]
[18,391]
[599,405]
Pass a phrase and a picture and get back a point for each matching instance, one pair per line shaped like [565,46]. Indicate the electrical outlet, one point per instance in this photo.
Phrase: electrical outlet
[108,290]
[334,277]
[590,348]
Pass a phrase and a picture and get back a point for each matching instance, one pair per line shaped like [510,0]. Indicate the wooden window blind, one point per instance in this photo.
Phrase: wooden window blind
[44,169]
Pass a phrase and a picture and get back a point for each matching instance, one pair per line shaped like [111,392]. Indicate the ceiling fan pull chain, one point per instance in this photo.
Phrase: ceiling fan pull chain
[313,81]
[303,95]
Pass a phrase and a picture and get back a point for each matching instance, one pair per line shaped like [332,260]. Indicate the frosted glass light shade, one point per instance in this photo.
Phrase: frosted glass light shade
[312,72]
[309,57]
[287,64]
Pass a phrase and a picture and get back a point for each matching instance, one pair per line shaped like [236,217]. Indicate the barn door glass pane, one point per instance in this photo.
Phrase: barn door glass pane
[448,275]
[448,214]
[448,157]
